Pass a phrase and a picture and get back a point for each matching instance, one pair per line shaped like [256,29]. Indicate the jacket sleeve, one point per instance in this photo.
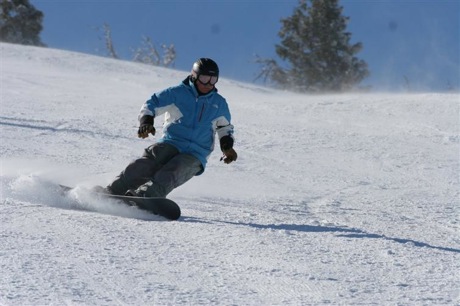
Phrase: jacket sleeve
[224,130]
[147,109]
[158,103]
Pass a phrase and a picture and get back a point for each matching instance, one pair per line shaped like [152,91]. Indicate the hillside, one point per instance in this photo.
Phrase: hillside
[335,199]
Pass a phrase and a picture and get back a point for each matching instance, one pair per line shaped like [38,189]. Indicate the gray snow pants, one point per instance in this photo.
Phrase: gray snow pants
[160,169]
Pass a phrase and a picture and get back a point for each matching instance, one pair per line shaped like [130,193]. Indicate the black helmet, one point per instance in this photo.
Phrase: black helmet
[205,66]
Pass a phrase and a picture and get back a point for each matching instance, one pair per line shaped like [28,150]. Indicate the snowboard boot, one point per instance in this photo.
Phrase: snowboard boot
[134,193]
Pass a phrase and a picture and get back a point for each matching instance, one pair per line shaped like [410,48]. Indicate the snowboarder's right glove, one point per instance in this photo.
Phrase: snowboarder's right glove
[146,127]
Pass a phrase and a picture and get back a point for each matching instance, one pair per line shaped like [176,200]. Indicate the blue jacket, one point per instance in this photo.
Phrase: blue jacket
[191,121]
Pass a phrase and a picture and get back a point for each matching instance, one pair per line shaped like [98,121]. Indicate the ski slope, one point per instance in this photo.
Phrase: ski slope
[334,200]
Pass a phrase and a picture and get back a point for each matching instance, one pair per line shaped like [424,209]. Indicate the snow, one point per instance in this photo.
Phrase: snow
[335,199]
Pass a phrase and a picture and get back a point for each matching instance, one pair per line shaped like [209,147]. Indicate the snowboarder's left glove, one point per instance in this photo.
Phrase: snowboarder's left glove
[229,156]
[146,127]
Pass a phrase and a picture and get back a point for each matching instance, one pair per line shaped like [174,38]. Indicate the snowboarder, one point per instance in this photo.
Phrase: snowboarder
[194,114]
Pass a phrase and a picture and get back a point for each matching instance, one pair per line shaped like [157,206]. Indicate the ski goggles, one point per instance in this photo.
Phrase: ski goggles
[208,79]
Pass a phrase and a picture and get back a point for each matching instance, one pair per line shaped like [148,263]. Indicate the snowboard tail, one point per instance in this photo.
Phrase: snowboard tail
[166,208]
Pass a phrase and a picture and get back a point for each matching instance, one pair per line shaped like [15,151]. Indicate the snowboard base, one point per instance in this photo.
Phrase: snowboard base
[159,206]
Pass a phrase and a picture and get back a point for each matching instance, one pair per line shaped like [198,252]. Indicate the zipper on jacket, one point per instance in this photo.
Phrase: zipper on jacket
[201,113]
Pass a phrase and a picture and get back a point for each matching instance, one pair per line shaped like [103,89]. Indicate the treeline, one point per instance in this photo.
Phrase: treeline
[315,50]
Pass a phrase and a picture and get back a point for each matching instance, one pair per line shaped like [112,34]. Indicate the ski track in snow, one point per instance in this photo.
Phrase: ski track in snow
[334,200]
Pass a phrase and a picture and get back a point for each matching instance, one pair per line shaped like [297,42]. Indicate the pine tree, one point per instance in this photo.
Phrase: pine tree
[315,43]
[20,22]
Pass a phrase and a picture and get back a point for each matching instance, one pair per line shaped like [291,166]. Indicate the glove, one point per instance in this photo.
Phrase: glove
[146,127]
[229,156]
[145,130]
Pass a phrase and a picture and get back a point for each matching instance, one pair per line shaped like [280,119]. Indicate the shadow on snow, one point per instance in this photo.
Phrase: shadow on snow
[344,232]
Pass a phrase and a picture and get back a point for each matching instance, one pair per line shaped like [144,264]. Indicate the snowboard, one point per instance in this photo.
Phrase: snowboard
[158,206]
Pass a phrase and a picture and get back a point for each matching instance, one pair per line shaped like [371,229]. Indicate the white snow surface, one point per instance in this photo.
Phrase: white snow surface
[335,199]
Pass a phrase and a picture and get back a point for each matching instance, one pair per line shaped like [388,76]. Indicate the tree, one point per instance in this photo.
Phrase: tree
[147,53]
[317,47]
[109,41]
[20,22]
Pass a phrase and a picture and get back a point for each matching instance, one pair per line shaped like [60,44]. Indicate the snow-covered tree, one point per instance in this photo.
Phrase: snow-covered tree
[20,22]
[317,49]
[148,54]
[109,41]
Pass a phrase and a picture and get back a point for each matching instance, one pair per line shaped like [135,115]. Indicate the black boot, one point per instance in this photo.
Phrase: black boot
[134,193]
